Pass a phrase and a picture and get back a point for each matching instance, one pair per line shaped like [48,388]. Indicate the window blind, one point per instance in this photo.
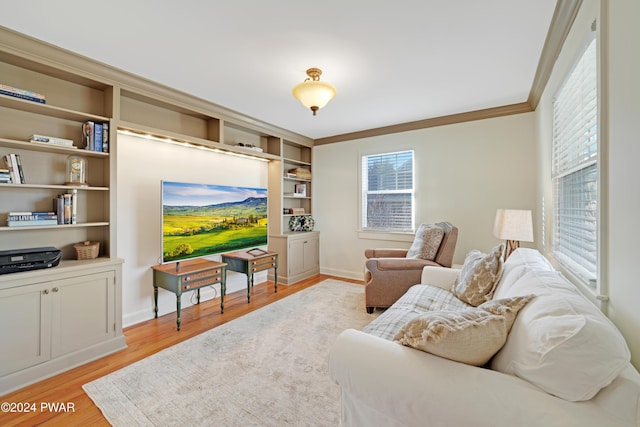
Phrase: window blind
[575,169]
[387,193]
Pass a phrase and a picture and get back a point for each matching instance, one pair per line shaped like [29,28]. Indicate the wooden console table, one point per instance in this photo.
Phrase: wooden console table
[188,276]
[249,262]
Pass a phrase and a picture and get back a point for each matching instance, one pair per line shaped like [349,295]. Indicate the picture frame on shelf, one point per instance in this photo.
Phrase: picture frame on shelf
[300,190]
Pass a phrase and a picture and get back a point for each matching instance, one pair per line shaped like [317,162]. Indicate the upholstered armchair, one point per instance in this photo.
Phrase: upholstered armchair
[389,273]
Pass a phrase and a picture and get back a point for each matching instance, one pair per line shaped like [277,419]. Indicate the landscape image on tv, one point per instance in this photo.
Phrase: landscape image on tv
[202,219]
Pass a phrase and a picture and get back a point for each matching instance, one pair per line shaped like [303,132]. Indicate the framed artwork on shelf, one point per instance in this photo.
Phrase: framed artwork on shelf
[301,190]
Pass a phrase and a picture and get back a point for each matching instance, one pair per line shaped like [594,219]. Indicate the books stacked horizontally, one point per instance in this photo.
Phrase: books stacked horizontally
[31,219]
[5,176]
[95,136]
[51,140]
[22,94]
[14,165]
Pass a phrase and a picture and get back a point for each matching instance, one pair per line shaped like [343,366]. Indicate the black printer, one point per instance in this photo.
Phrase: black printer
[15,260]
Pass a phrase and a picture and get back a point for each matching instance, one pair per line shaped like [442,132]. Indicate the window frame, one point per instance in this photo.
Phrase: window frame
[590,281]
[384,233]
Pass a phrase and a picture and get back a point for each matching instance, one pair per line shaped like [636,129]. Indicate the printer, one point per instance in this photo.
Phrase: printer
[15,260]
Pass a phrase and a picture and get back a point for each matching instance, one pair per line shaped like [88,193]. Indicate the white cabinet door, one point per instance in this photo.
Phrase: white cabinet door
[83,312]
[25,315]
[296,257]
[303,254]
[310,253]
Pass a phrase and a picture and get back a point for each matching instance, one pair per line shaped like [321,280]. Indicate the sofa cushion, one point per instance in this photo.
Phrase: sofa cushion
[561,342]
[479,276]
[417,300]
[471,336]
[519,263]
[426,242]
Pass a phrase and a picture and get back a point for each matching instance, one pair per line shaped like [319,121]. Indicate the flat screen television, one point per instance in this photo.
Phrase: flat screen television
[199,220]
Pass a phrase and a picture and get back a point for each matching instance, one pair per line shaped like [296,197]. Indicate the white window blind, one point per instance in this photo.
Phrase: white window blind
[575,169]
[387,193]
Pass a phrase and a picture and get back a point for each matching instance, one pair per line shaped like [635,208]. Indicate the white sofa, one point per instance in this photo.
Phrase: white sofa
[560,345]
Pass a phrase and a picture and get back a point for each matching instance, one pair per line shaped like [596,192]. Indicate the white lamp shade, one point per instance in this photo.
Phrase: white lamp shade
[513,224]
[314,93]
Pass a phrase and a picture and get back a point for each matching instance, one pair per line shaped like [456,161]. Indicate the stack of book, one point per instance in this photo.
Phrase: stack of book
[14,165]
[52,140]
[5,176]
[95,136]
[66,207]
[22,94]
[31,219]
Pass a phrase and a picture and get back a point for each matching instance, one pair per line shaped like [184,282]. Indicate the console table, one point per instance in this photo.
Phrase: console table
[249,262]
[188,276]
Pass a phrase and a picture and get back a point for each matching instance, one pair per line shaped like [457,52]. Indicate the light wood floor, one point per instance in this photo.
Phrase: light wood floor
[143,339]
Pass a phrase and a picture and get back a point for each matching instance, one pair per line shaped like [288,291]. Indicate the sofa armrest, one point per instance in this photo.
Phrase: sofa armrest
[383,381]
[385,253]
[441,277]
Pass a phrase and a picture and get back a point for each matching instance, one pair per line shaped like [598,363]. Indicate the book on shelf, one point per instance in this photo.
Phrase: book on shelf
[32,223]
[43,139]
[30,219]
[17,91]
[105,137]
[87,135]
[32,216]
[66,207]
[93,136]
[20,170]
[5,176]
[97,137]
[14,165]
[27,95]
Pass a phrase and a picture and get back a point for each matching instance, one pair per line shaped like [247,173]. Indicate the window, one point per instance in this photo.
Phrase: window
[387,192]
[575,170]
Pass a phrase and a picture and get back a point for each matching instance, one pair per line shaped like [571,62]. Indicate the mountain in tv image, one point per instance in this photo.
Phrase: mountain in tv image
[200,220]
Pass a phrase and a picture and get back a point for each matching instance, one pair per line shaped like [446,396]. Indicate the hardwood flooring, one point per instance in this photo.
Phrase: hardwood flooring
[143,339]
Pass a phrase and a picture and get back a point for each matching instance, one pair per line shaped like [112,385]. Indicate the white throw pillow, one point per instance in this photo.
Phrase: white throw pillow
[560,341]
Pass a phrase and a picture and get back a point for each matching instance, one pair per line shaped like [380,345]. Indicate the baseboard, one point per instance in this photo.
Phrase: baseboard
[347,274]
[34,374]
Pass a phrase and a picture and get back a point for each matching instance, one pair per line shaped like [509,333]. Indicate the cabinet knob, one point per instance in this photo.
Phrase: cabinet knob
[45,292]
[55,289]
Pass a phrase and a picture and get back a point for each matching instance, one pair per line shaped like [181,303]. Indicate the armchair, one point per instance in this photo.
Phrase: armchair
[389,274]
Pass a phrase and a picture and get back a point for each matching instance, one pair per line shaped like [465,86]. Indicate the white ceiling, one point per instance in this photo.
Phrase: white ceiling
[391,61]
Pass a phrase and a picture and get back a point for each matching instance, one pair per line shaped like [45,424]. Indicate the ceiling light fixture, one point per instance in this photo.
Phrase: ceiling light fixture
[313,93]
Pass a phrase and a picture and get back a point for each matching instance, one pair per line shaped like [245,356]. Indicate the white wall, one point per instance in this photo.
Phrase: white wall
[142,164]
[624,155]
[620,150]
[464,172]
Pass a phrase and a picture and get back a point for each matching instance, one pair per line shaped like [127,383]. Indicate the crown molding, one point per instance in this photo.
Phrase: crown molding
[488,113]
[561,22]
[563,17]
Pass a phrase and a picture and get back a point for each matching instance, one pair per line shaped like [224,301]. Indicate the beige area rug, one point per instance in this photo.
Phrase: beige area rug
[267,368]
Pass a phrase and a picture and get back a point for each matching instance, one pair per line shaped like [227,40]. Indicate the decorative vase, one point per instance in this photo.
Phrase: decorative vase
[301,223]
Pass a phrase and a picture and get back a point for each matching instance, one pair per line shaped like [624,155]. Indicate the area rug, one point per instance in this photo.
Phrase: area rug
[267,368]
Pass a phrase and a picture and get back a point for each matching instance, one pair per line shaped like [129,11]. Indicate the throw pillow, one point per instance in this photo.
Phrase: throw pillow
[426,242]
[470,336]
[561,342]
[479,276]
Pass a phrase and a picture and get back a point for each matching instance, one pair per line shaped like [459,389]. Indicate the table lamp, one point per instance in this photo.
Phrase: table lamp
[514,226]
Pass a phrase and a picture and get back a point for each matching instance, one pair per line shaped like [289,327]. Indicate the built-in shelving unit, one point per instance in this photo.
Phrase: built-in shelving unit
[56,317]
[78,90]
